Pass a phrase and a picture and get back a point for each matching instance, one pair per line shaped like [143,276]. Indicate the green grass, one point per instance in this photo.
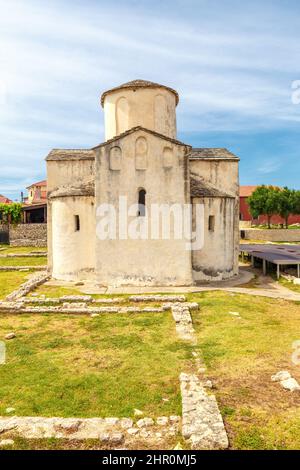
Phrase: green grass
[62,365]
[20,249]
[241,355]
[10,281]
[289,285]
[56,291]
[36,261]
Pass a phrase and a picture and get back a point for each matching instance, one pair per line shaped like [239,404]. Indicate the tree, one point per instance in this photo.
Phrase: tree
[264,200]
[287,202]
[296,209]
[12,212]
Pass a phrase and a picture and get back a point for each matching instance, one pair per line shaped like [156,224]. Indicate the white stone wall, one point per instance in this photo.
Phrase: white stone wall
[153,109]
[73,251]
[217,259]
[165,178]
[62,173]
[224,176]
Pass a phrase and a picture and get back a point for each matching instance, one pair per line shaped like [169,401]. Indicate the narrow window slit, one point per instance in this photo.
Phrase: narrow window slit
[211,223]
[142,203]
[77,223]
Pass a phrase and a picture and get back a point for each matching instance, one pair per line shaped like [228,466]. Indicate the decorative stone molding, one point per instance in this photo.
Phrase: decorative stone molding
[115,158]
[168,157]
[141,151]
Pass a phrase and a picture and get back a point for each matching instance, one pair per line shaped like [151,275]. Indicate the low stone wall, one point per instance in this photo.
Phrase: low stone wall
[271,235]
[28,235]
[4,233]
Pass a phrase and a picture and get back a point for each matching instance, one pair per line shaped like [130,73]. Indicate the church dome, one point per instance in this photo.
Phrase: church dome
[140,103]
[134,84]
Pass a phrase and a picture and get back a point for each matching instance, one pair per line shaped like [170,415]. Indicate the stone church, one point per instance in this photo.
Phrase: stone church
[142,160]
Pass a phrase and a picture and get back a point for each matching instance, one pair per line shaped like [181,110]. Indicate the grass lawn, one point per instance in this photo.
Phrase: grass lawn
[10,281]
[241,355]
[20,249]
[67,365]
[36,261]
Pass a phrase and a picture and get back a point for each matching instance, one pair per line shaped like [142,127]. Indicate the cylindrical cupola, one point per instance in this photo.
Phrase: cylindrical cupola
[140,103]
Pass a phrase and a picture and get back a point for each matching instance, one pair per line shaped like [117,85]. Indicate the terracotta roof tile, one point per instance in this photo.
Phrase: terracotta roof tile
[246,191]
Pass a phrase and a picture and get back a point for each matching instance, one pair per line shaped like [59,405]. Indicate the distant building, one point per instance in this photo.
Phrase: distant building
[245,192]
[5,200]
[35,204]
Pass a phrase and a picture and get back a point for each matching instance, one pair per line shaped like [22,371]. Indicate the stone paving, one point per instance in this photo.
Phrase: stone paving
[202,423]
[112,431]
[28,286]
[22,268]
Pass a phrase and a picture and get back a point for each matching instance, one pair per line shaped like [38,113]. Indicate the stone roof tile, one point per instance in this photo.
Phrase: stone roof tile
[134,84]
[199,188]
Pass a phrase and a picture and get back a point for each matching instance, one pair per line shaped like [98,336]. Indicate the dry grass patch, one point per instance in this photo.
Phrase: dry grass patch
[241,355]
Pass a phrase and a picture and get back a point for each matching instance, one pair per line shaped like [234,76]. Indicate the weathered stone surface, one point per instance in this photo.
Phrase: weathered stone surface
[162,420]
[76,298]
[40,301]
[22,268]
[10,336]
[70,305]
[116,438]
[132,431]
[108,430]
[126,423]
[184,324]
[109,300]
[35,281]
[208,384]
[174,419]
[6,442]
[111,421]
[145,422]
[23,255]
[28,235]
[290,384]
[157,298]
[202,422]
[282,375]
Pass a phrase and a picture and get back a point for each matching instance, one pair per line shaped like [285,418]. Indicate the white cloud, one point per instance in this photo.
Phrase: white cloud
[233,66]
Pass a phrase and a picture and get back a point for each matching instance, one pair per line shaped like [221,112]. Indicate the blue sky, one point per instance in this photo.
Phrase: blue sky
[232,62]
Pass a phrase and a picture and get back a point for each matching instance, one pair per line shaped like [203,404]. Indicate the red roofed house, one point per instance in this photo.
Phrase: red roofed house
[5,200]
[35,204]
[245,192]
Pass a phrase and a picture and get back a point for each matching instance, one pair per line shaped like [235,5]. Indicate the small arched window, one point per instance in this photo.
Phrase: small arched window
[142,203]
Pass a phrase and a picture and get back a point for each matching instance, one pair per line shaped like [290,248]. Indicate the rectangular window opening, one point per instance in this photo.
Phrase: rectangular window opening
[77,223]
[211,223]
